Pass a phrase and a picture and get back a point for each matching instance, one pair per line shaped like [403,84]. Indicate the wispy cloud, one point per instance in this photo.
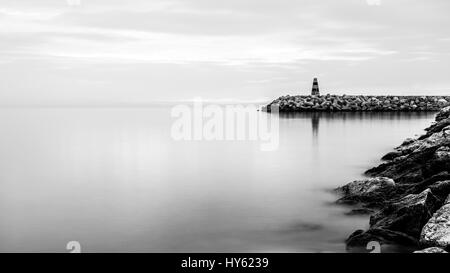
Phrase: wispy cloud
[220,46]
[107,44]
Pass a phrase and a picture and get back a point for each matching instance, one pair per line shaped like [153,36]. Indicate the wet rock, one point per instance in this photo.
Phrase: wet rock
[429,183]
[442,154]
[382,236]
[437,139]
[407,215]
[431,250]
[443,114]
[437,231]
[392,155]
[361,187]
[368,190]
[436,127]
[421,159]
[410,169]
[399,159]
[408,141]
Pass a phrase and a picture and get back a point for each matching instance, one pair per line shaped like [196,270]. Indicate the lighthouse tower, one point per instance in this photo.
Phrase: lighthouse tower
[315,88]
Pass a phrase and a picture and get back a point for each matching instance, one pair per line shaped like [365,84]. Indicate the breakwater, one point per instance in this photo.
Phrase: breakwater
[408,196]
[331,103]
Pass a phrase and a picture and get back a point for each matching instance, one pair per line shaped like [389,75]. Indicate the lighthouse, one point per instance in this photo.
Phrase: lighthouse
[315,88]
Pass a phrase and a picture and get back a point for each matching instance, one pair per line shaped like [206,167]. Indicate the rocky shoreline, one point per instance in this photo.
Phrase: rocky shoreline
[329,103]
[407,196]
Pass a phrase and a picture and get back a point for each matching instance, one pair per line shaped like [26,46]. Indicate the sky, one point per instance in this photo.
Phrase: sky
[143,51]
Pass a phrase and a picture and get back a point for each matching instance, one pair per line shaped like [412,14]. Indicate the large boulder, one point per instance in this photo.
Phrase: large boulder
[434,184]
[443,114]
[368,190]
[436,127]
[431,250]
[407,215]
[430,153]
[439,138]
[437,231]
[442,155]
[421,159]
[361,187]
[392,155]
[408,141]
[443,102]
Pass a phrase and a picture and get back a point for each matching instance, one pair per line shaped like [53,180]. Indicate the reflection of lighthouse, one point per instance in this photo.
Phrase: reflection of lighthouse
[315,125]
[315,88]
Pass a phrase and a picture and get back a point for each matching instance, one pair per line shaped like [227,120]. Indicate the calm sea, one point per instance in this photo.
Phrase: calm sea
[114,180]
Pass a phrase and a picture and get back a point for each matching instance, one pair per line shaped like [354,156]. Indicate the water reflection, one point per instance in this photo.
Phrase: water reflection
[344,116]
[114,180]
[315,118]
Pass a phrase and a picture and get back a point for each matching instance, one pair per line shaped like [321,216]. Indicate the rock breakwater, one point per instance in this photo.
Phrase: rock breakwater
[358,103]
[408,195]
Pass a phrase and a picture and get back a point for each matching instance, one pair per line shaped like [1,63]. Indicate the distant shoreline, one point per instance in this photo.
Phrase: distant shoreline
[347,103]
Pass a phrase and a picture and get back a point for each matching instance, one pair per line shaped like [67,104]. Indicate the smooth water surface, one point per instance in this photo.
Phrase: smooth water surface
[115,180]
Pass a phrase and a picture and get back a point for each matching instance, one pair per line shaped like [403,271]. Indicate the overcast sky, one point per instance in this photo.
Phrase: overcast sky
[138,51]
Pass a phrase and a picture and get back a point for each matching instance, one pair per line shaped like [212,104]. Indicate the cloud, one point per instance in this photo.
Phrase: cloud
[219,46]
[185,34]
[99,45]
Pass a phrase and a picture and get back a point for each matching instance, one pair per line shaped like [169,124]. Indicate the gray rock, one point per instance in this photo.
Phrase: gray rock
[436,127]
[361,187]
[431,250]
[443,114]
[399,159]
[412,208]
[359,103]
[437,139]
[368,190]
[437,231]
[407,215]
[443,153]
[408,141]
[436,183]
[441,189]
[421,159]
[392,155]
